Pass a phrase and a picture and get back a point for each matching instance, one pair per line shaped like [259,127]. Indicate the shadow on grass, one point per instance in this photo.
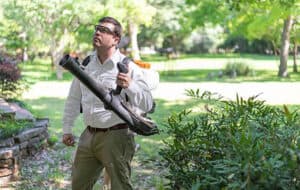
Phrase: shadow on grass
[212,75]
[41,70]
[158,58]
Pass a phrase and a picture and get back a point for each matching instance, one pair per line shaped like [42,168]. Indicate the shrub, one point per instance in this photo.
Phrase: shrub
[10,80]
[242,144]
[11,127]
[237,69]
[52,140]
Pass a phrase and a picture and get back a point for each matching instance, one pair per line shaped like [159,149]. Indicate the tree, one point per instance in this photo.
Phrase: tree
[252,19]
[134,13]
[295,36]
[273,11]
[170,28]
[285,44]
[49,24]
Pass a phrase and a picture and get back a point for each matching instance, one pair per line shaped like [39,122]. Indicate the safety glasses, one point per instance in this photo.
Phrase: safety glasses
[103,29]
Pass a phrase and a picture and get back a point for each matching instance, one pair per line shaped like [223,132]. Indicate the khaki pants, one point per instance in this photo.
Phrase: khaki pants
[113,150]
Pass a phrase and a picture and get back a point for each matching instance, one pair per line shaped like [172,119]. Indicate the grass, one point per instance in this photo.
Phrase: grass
[203,75]
[41,69]
[157,58]
[147,166]
[10,127]
[146,159]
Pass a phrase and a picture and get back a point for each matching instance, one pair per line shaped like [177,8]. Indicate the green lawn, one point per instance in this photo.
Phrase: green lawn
[205,75]
[41,70]
[147,166]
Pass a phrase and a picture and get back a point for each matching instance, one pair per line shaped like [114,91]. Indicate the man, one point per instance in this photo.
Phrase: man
[106,141]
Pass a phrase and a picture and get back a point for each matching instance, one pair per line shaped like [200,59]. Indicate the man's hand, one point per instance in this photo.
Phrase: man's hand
[68,139]
[124,79]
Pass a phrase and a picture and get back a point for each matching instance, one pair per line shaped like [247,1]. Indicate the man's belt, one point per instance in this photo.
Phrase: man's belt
[115,127]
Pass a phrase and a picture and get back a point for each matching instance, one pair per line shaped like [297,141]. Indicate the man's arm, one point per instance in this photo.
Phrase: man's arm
[71,111]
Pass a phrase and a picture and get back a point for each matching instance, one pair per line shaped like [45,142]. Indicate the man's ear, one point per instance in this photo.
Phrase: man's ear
[116,41]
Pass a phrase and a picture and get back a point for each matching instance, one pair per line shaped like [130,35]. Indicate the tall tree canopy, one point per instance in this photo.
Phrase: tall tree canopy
[253,19]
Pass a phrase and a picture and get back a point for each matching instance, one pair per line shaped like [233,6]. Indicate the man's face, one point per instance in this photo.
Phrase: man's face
[104,36]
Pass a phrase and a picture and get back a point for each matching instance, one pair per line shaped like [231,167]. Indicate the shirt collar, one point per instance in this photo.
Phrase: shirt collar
[114,59]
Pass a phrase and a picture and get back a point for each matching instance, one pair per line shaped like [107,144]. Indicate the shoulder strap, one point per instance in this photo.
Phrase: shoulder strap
[126,60]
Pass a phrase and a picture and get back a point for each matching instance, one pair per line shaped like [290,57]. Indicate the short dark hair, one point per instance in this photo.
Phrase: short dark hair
[117,28]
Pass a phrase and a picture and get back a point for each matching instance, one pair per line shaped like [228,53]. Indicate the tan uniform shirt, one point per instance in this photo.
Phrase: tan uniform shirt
[94,112]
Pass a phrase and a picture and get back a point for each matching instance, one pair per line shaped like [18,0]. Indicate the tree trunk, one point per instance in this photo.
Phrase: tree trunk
[274,47]
[133,32]
[56,56]
[284,49]
[295,52]
[57,53]
[25,49]
[25,54]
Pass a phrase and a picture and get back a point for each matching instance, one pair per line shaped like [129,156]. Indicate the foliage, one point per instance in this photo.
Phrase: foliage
[242,144]
[203,40]
[10,80]
[240,44]
[234,69]
[10,127]
[52,140]
[173,27]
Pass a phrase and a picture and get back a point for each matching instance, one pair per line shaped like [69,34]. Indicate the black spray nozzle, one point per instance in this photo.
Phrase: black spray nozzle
[123,68]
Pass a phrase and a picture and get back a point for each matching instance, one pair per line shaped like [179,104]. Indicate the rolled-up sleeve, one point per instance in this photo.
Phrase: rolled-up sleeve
[72,107]
[138,91]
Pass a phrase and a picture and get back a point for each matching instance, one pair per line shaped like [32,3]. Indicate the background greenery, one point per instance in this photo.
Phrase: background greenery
[31,29]
[242,144]
[263,35]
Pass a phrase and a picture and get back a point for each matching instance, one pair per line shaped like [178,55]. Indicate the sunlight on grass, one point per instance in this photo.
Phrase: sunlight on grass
[39,107]
[174,103]
[48,89]
[203,75]
[151,141]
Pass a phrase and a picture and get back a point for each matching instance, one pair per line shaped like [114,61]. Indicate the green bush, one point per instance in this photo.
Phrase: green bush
[11,85]
[242,144]
[52,140]
[10,127]
[237,69]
